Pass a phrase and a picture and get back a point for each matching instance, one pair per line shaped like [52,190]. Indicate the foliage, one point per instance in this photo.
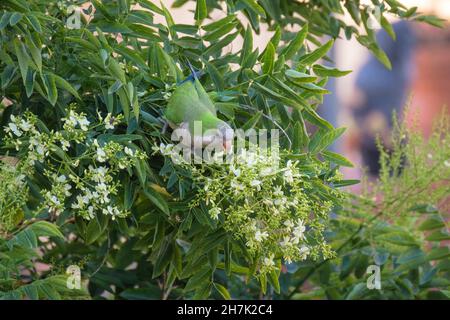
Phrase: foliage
[398,223]
[324,17]
[82,108]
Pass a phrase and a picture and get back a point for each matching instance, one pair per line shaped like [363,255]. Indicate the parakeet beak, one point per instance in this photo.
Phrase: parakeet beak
[227,145]
[227,134]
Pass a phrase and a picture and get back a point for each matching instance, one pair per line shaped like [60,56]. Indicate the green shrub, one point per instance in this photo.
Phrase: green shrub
[84,120]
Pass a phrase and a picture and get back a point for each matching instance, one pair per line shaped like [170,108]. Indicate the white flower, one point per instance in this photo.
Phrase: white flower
[101,155]
[289,224]
[91,211]
[83,122]
[260,236]
[237,172]
[166,149]
[288,176]
[108,123]
[129,151]
[280,201]
[65,145]
[14,129]
[267,171]
[113,211]
[214,213]
[268,262]
[304,252]
[55,200]
[40,149]
[429,156]
[81,202]
[25,125]
[277,191]
[67,187]
[447,163]
[256,183]
[61,179]
[236,185]
[299,231]
[76,163]
[71,121]
[286,241]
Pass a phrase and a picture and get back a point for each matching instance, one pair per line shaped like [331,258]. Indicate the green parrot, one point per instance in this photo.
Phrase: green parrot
[189,103]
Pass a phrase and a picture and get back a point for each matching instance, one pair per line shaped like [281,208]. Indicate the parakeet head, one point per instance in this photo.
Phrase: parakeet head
[221,135]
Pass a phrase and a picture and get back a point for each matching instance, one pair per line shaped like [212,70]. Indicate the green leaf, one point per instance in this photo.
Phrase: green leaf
[381,56]
[94,231]
[438,253]
[4,20]
[357,291]
[268,59]
[222,291]
[247,46]
[295,45]
[314,88]
[157,200]
[48,291]
[34,22]
[388,27]
[35,53]
[132,56]
[323,71]
[15,18]
[337,158]
[115,86]
[431,20]
[150,5]
[300,138]
[299,77]
[411,256]
[217,33]
[219,23]
[165,255]
[7,75]
[45,228]
[217,47]
[273,279]
[216,77]
[116,70]
[22,57]
[201,11]
[185,28]
[309,59]
[25,238]
[63,84]
[322,140]
[345,183]
[255,7]
[440,235]
[29,82]
[30,291]
[263,283]
[424,208]
[50,86]
[433,222]
[200,278]
[399,238]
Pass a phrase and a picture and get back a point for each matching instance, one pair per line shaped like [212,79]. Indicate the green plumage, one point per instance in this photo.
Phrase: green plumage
[190,102]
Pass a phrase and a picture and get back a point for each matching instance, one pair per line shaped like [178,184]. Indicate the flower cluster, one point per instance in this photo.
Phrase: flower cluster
[271,204]
[13,191]
[82,168]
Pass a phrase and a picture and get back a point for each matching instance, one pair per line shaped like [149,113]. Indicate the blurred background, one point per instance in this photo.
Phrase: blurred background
[364,100]
[420,80]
